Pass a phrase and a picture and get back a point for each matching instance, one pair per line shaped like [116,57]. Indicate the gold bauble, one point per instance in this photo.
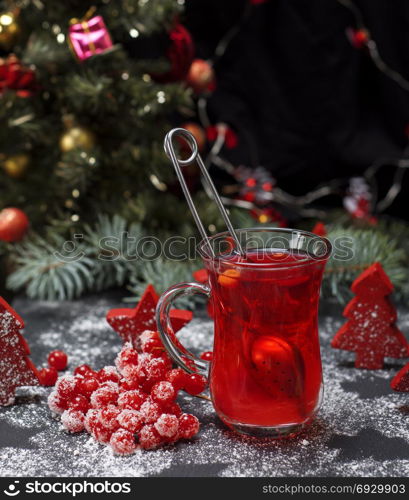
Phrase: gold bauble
[77,138]
[9,29]
[16,165]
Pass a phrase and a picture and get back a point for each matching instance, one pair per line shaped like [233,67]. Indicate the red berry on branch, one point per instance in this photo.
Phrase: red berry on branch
[58,360]
[207,356]
[13,224]
[195,384]
[79,403]
[73,420]
[163,393]
[48,376]
[188,426]
[177,378]
[87,385]
[122,442]
[82,370]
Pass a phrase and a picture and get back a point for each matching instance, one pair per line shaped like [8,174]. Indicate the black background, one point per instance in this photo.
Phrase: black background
[306,103]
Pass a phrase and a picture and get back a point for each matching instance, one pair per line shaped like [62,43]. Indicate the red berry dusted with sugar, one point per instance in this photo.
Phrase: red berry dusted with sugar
[128,385]
[149,437]
[108,374]
[127,357]
[79,403]
[105,395]
[58,360]
[150,411]
[66,386]
[83,370]
[163,393]
[131,399]
[101,433]
[154,347]
[177,378]
[195,384]
[47,376]
[87,385]
[167,426]
[207,356]
[73,420]
[91,419]
[108,417]
[56,403]
[122,442]
[131,420]
[188,426]
[174,409]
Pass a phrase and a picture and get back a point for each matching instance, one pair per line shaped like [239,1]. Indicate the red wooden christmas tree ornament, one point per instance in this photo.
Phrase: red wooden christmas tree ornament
[370,330]
[400,381]
[16,369]
[130,323]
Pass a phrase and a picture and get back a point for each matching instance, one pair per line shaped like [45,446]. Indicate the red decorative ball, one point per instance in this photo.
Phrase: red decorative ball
[180,55]
[16,77]
[58,360]
[201,76]
[197,132]
[48,376]
[13,224]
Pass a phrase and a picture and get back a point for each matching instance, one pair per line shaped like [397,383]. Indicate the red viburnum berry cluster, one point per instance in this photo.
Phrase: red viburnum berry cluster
[132,404]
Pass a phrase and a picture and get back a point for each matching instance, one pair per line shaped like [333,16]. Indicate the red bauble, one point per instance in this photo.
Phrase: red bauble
[197,132]
[16,369]
[400,381]
[230,137]
[180,55]
[371,331]
[13,224]
[201,76]
[319,229]
[15,77]
[130,323]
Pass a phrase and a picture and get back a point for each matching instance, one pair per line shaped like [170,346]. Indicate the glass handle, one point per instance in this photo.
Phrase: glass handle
[176,350]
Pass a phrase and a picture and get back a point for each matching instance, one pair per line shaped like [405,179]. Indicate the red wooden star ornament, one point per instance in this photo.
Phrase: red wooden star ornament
[130,323]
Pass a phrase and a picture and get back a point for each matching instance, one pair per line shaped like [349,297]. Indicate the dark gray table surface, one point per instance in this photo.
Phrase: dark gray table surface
[361,430]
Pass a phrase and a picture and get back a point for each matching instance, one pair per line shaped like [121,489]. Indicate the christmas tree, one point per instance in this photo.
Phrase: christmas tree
[87,92]
[16,369]
[371,332]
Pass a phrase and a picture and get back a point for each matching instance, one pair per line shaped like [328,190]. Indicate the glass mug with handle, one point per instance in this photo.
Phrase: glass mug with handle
[265,377]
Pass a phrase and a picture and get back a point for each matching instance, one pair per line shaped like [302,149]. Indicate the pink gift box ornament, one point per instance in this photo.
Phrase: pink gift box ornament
[89,37]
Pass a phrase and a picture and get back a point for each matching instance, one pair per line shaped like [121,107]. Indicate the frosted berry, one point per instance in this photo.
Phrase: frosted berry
[48,376]
[67,386]
[132,374]
[87,386]
[105,395]
[79,403]
[101,433]
[131,420]
[56,403]
[128,356]
[195,384]
[73,420]
[131,399]
[91,419]
[108,417]
[149,437]
[58,360]
[174,409]
[207,356]
[155,371]
[122,442]
[163,393]
[108,374]
[148,335]
[177,378]
[167,426]
[154,347]
[188,426]
[83,370]
[150,411]
[128,385]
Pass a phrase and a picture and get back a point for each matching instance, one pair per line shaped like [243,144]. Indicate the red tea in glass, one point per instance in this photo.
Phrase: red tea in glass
[265,376]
